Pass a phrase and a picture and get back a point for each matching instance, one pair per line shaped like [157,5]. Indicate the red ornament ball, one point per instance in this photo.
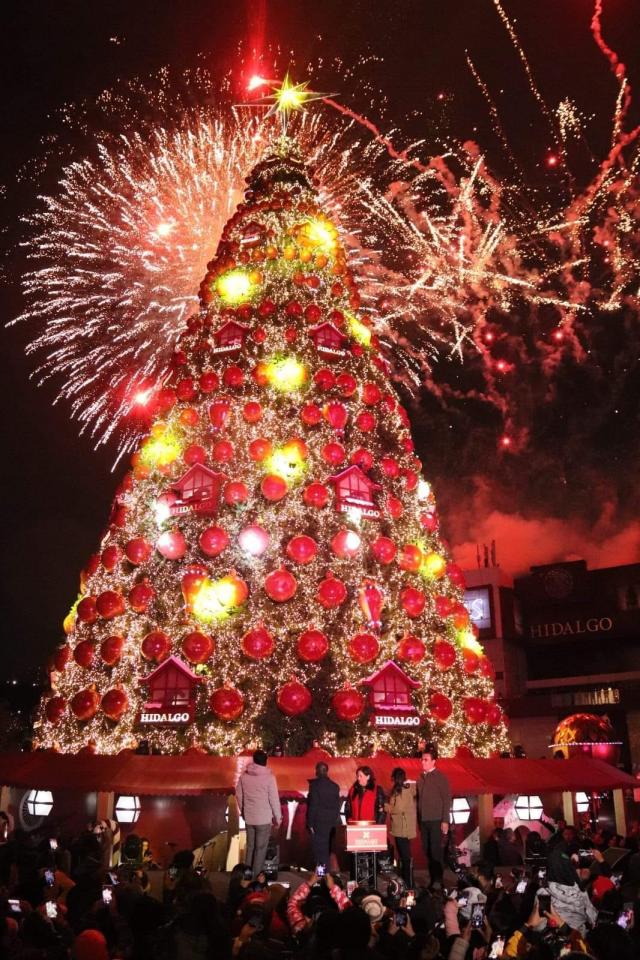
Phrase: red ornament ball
[233,377]
[218,413]
[331,592]
[316,495]
[55,709]
[114,703]
[223,451]
[252,411]
[346,384]
[235,492]
[294,698]
[325,379]
[347,704]
[274,487]
[141,596]
[411,649]
[138,551]
[185,389]
[383,549]
[311,414]
[171,544]
[371,394]
[363,648]
[470,661]
[61,657]
[390,467]
[494,714]
[209,381]
[333,453]
[455,574]
[227,704]
[485,668]
[260,449]
[440,706]
[258,643]
[86,610]
[394,507]
[444,654]
[156,646]
[410,558]
[336,415]
[197,647]
[84,653]
[413,601]
[444,606]
[111,649]
[110,557]
[302,549]
[346,544]
[253,540]
[110,604]
[312,646]
[365,421]
[362,458]
[85,704]
[280,585]
[475,709]
[213,541]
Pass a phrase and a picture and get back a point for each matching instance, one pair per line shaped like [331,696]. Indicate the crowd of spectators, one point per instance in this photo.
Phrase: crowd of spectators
[568,896]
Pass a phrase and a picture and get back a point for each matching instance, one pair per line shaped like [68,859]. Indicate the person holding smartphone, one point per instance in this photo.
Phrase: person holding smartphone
[434,805]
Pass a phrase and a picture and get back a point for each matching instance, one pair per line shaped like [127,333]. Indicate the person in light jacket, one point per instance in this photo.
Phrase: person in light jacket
[403,824]
[259,803]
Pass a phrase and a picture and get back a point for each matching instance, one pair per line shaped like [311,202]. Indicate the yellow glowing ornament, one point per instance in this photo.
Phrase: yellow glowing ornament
[291,96]
[69,621]
[468,641]
[235,286]
[287,462]
[286,374]
[320,233]
[218,599]
[360,333]
[433,567]
[160,451]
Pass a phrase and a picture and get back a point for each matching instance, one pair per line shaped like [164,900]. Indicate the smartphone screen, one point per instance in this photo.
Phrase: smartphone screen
[107,894]
[542,873]
[625,917]
[521,886]
[49,877]
[544,903]
[321,870]
[400,918]
[477,915]
[15,906]
[498,884]
[53,844]
[51,908]
[411,898]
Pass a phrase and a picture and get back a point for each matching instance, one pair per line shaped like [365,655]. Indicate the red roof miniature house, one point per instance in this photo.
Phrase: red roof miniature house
[328,340]
[229,339]
[198,490]
[354,490]
[171,697]
[391,694]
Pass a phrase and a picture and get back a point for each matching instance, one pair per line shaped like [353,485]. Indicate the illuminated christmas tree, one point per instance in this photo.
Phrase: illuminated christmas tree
[272,570]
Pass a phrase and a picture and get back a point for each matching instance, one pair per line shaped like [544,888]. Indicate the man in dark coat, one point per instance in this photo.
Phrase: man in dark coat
[323,812]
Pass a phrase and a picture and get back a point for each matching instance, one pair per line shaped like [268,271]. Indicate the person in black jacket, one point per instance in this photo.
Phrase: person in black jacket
[323,812]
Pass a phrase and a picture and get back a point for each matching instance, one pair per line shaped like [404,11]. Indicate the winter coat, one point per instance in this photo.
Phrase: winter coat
[323,804]
[573,905]
[434,797]
[257,796]
[402,808]
[365,804]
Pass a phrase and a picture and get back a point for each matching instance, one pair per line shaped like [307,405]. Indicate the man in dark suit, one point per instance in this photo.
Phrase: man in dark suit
[323,812]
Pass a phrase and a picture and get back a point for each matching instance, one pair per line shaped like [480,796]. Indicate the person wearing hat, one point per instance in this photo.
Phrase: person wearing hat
[323,813]
[434,804]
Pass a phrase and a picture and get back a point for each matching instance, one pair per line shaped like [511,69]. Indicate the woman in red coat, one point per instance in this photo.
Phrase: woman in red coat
[365,801]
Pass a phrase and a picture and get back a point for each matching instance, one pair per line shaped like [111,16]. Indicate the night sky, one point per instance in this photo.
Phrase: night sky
[571,492]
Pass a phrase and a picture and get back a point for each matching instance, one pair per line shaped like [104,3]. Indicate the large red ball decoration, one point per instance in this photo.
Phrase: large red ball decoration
[429,521]
[371,394]
[346,544]
[363,648]
[460,616]
[252,411]
[333,454]
[86,610]
[331,592]
[110,604]
[444,654]
[226,703]
[346,384]
[141,596]
[470,661]
[394,507]
[213,541]
[383,549]
[223,451]
[189,417]
[325,379]
[410,557]
[156,646]
[85,704]
[260,449]
[390,467]
[413,601]
[280,585]
[440,706]
[253,540]
[475,709]
[233,377]
[311,414]
[258,643]
[236,492]
[336,415]
[111,649]
[84,653]
[312,646]
[218,413]
[365,421]
[494,714]
[347,704]
[111,557]
[362,458]
[171,544]
[197,647]
[411,649]
[138,551]
[302,549]
[316,495]
[114,703]
[486,669]
[61,657]
[185,389]
[274,487]
[312,313]
[294,698]
[209,381]
[444,606]
[455,574]
[55,709]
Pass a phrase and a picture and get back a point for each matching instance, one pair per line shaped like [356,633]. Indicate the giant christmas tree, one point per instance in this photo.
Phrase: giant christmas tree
[272,570]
